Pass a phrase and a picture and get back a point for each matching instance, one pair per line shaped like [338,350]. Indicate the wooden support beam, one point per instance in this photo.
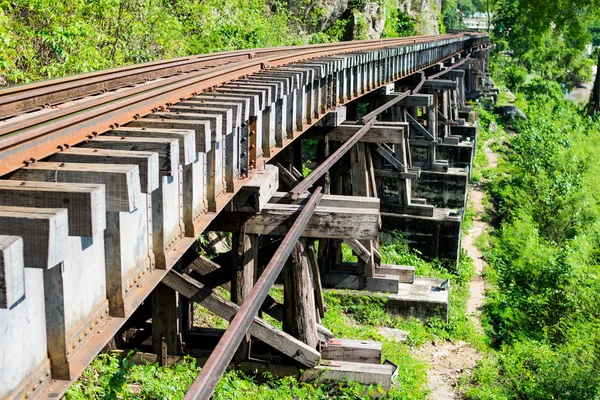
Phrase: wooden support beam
[245,260]
[316,279]
[212,275]
[420,128]
[299,303]
[166,321]
[167,149]
[255,194]
[360,187]
[326,222]
[260,329]
[314,176]
[85,202]
[377,134]
[329,200]
[396,175]
[440,84]
[359,249]
[389,157]
[122,182]
[44,233]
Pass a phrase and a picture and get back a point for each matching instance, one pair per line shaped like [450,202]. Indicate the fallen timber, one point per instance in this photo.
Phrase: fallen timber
[102,196]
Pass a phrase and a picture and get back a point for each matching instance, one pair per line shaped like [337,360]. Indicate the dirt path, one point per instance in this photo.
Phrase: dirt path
[449,360]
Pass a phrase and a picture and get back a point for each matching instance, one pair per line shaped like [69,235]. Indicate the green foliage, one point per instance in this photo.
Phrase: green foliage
[452,16]
[546,39]
[543,255]
[398,24]
[43,39]
[347,255]
[111,376]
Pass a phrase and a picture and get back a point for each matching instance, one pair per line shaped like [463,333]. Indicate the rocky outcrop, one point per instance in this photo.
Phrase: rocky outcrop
[366,19]
[317,16]
[511,113]
[375,19]
[425,12]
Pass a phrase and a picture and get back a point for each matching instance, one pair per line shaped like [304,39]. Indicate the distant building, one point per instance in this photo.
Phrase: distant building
[477,21]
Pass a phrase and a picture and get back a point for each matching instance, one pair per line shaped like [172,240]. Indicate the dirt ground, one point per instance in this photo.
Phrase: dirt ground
[447,360]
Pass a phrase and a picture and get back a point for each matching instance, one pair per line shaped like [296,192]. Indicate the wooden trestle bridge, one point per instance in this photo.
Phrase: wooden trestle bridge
[108,179]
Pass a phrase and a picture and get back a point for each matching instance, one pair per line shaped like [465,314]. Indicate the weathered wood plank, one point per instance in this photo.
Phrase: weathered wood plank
[299,303]
[12,271]
[44,233]
[326,222]
[365,374]
[85,202]
[377,134]
[360,351]
[167,149]
[281,341]
[255,194]
[122,182]
[146,161]
[330,200]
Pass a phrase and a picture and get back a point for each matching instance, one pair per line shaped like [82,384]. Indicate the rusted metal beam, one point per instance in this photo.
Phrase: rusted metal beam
[310,180]
[205,383]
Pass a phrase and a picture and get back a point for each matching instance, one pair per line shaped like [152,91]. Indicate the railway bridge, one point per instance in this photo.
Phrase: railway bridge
[108,179]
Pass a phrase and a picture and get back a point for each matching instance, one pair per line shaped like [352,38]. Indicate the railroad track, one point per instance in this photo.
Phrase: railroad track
[92,103]
[145,157]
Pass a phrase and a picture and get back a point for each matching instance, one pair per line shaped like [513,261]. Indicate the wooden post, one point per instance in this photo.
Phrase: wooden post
[316,277]
[360,187]
[299,302]
[245,261]
[165,319]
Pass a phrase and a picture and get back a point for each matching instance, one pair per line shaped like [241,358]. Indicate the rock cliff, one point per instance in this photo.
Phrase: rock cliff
[365,19]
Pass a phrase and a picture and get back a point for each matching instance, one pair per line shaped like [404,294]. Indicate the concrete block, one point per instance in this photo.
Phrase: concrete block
[186,139]
[167,149]
[23,348]
[383,283]
[207,127]
[435,237]
[418,300]
[405,273]
[343,281]
[12,273]
[193,170]
[443,189]
[365,374]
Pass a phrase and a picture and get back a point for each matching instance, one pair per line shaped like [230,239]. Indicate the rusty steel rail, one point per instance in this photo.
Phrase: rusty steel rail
[24,98]
[25,140]
[221,356]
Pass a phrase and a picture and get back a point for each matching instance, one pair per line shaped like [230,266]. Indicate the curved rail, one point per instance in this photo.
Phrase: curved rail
[30,137]
[24,98]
